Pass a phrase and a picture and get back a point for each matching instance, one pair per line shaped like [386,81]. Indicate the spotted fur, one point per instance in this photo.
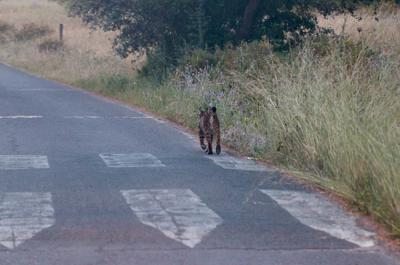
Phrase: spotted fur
[208,129]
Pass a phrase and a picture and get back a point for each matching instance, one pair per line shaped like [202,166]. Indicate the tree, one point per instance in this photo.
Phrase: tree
[170,25]
[248,18]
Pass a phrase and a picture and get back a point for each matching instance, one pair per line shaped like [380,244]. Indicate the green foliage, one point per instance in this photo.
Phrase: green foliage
[32,31]
[107,84]
[240,58]
[159,65]
[171,25]
[116,83]
[327,109]
[199,59]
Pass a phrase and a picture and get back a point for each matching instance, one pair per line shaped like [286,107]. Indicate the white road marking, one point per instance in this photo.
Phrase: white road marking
[83,117]
[10,162]
[92,117]
[230,162]
[23,215]
[38,89]
[132,117]
[131,160]
[319,213]
[21,117]
[178,214]
[102,117]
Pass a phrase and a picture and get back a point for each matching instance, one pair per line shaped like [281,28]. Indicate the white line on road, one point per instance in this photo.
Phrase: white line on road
[178,214]
[318,213]
[21,117]
[10,162]
[23,215]
[131,160]
[230,162]
[132,118]
[38,89]
[102,117]
[83,117]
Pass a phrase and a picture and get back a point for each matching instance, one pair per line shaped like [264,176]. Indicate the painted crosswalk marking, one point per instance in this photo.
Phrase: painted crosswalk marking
[83,117]
[23,215]
[131,118]
[95,117]
[178,214]
[230,162]
[131,160]
[15,117]
[37,89]
[318,213]
[12,162]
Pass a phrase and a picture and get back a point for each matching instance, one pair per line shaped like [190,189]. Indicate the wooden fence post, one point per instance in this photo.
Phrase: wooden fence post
[61,32]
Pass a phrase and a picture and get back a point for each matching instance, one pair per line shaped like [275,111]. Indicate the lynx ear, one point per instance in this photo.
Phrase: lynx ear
[214,109]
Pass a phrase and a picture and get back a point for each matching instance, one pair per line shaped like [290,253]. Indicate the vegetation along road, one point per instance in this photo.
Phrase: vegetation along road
[311,87]
[88,181]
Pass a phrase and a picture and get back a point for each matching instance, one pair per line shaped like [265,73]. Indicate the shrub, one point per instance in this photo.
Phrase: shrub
[50,45]
[115,82]
[199,59]
[158,66]
[32,31]
[5,27]
[7,32]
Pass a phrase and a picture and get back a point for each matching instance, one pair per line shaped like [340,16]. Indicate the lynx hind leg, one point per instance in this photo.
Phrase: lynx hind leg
[218,143]
[209,150]
[201,137]
[209,143]
[217,131]
[218,149]
[211,140]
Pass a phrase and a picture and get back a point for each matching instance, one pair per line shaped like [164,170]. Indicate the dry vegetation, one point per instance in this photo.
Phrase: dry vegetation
[329,111]
[379,29]
[84,53]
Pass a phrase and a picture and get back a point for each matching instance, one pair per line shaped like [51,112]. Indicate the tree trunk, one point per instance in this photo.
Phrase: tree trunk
[248,18]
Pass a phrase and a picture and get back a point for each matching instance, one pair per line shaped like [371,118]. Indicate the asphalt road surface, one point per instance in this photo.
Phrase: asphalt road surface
[84,180]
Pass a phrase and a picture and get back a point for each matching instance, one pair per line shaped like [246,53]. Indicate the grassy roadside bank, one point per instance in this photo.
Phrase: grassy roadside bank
[29,40]
[332,119]
[328,111]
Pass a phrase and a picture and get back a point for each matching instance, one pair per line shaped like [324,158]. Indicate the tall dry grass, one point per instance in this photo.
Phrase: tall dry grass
[329,111]
[336,119]
[379,28]
[331,116]
[85,54]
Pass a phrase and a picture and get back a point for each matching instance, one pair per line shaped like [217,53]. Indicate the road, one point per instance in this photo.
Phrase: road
[84,180]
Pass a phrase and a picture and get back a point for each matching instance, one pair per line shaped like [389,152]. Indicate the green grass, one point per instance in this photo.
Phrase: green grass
[329,111]
[332,118]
